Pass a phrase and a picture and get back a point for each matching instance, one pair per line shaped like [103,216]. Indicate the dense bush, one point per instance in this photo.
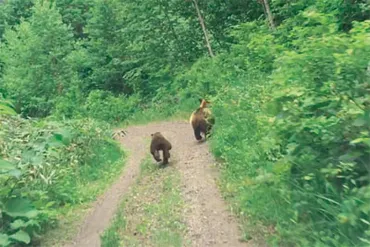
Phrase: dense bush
[36,69]
[321,129]
[104,106]
[45,166]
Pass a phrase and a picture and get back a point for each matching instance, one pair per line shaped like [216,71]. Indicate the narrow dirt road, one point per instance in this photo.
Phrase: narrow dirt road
[206,216]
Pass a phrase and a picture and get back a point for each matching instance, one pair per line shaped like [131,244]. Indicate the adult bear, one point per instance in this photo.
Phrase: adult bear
[202,120]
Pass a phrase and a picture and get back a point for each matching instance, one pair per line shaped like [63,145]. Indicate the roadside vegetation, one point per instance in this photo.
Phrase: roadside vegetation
[48,169]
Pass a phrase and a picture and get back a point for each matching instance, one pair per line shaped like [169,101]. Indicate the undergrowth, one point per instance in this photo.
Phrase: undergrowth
[172,109]
[292,128]
[49,168]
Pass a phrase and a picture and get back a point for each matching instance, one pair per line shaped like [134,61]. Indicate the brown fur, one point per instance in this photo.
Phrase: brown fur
[199,120]
[159,142]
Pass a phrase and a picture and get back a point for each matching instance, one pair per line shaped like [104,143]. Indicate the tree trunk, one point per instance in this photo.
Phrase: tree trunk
[269,14]
[201,21]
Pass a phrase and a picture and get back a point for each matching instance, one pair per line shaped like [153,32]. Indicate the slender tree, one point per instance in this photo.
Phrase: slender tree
[267,10]
[201,21]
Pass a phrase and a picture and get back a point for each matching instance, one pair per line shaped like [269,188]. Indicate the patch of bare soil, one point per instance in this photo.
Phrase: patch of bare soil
[208,221]
[151,214]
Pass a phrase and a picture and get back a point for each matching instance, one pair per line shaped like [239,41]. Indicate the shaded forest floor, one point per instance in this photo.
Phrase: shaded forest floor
[177,205]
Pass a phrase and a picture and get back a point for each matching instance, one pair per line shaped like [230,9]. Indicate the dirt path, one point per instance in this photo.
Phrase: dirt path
[207,218]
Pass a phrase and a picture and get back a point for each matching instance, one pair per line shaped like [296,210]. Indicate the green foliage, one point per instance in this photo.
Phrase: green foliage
[138,53]
[104,106]
[12,11]
[76,13]
[292,128]
[44,166]
[346,12]
[6,107]
[322,128]
[100,105]
[42,43]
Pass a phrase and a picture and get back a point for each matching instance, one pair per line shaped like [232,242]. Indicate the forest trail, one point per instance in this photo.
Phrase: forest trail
[206,216]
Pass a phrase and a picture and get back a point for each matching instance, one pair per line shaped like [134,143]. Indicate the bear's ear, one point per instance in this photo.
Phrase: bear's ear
[152,134]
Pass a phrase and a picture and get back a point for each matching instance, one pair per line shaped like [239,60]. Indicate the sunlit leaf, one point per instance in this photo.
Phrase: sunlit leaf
[19,207]
[361,140]
[4,240]
[21,236]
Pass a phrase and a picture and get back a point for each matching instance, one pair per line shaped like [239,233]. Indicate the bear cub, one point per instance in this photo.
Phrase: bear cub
[160,143]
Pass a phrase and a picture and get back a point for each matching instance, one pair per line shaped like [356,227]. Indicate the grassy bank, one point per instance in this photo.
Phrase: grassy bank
[70,218]
[50,172]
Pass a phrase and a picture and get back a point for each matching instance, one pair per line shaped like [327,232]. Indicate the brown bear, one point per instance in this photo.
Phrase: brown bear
[159,142]
[201,120]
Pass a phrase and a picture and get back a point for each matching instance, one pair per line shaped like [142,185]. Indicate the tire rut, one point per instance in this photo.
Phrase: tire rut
[103,210]
[208,220]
